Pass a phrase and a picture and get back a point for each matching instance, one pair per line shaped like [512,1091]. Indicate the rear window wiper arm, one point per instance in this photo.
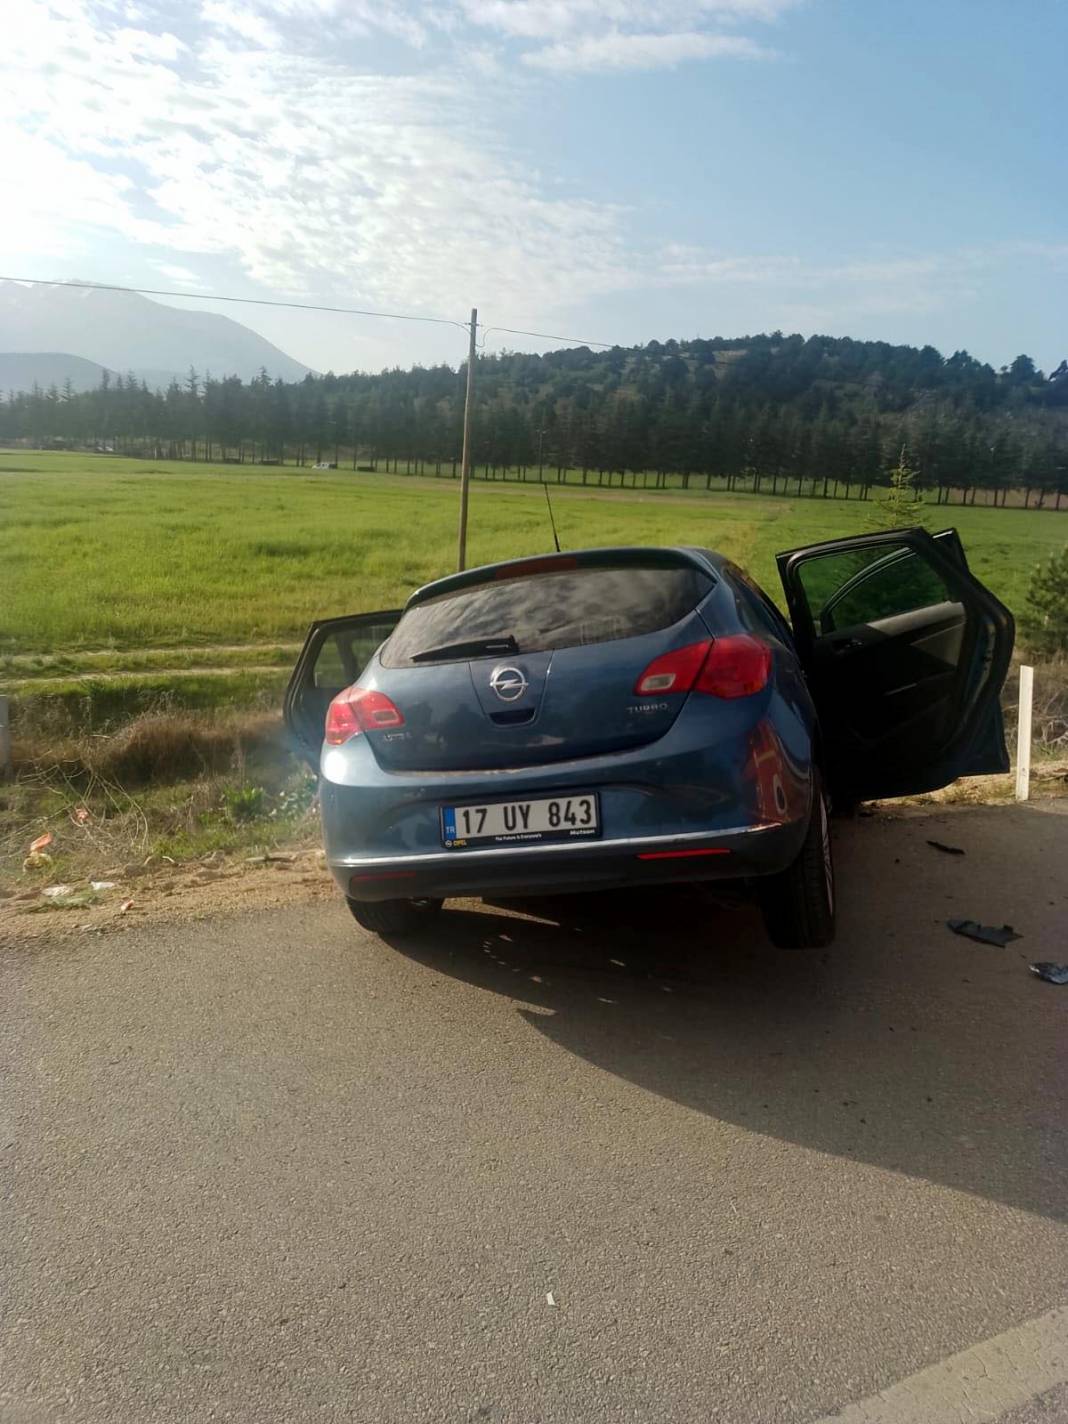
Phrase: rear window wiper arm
[472,648]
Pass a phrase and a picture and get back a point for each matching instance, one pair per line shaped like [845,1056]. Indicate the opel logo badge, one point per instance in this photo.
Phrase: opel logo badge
[508,683]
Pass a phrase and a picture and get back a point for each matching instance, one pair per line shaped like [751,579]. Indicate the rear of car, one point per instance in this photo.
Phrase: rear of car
[578,721]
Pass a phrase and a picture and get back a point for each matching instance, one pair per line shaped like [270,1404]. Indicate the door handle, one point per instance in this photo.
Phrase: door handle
[846,645]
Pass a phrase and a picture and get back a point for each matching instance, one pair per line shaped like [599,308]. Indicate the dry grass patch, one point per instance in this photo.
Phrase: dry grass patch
[156,748]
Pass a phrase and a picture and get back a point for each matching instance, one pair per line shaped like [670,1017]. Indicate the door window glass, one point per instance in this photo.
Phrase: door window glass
[755,609]
[863,586]
[346,652]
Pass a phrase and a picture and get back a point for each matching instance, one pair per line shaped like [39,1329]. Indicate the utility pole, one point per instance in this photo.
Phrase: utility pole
[465,464]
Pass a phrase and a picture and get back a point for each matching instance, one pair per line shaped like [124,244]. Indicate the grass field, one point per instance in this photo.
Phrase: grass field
[154,566]
[163,605]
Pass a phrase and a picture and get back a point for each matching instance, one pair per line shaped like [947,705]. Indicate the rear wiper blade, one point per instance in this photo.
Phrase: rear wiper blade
[473,648]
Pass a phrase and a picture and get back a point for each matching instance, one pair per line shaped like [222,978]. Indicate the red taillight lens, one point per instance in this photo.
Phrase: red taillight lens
[672,672]
[356,710]
[736,667]
[721,667]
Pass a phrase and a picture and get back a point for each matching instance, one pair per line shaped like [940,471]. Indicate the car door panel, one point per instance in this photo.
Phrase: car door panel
[335,653]
[905,656]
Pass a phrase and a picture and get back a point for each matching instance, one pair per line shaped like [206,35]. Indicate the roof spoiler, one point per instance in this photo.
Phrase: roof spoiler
[614,558]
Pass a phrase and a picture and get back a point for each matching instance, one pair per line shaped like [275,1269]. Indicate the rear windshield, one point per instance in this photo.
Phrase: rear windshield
[550,610]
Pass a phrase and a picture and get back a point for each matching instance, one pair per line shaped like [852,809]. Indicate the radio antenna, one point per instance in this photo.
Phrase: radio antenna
[552,521]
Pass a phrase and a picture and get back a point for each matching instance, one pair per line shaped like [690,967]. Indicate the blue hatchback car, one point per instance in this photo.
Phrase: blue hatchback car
[634,716]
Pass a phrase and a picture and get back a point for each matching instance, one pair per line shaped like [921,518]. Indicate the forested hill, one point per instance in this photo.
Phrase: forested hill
[769,405]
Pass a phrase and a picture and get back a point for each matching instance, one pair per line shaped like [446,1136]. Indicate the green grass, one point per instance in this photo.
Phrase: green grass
[26,669]
[100,704]
[121,556]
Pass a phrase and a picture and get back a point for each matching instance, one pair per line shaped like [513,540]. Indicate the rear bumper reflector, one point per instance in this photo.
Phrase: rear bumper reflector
[386,875]
[681,854]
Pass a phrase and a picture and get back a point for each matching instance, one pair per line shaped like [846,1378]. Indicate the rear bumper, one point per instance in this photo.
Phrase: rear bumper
[730,854]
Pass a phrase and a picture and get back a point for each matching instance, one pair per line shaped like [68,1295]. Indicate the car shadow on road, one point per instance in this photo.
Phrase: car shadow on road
[903,1046]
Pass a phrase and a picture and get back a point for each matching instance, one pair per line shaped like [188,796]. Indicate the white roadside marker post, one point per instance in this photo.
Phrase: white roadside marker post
[1023,734]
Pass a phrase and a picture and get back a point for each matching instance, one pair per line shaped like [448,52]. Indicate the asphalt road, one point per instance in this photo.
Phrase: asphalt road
[266,1168]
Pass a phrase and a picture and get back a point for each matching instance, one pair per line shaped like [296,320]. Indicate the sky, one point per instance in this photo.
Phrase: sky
[607,170]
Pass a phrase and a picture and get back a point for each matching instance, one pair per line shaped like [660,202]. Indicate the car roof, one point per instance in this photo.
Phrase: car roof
[640,555]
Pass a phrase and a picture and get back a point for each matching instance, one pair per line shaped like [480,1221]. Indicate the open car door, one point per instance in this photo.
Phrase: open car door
[335,652]
[905,653]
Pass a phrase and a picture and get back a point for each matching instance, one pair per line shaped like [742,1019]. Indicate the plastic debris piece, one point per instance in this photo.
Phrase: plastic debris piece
[101,885]
[984,934]
[126,905]
[281,857]
[73,900]
[41,842]
[550,1298]
[80,815]
[618,962]
[57,892]
[946,849]
[1052,973]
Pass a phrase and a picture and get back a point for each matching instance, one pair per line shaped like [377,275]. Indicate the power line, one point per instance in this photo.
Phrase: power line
[296,306]
[246,301]
[547,336]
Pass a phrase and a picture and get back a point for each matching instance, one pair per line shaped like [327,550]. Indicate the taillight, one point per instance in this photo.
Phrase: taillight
[721,667]
[359,709]
[735,667]
[672,672]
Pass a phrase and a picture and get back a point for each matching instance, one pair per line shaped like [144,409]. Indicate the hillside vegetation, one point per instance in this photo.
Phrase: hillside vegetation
[776,410]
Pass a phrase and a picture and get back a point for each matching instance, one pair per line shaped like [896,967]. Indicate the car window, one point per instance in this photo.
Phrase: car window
[755,608]
[346,651]
[543,611]
[847,589]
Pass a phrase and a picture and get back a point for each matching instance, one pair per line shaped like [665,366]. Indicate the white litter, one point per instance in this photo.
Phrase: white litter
[54,892]
[101,885]
[550,1298]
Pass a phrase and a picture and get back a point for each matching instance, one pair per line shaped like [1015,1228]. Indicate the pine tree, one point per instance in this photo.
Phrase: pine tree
[903,506]
[1045,618]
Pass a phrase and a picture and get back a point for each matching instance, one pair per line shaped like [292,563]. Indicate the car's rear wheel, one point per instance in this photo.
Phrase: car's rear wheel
[799,902]
[394,917]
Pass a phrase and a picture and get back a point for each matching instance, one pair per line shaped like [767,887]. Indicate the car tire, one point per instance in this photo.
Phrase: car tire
[394,917]
[799,903]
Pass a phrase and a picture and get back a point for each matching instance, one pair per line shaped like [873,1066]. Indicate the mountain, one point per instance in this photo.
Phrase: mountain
[21,371]
[127,332]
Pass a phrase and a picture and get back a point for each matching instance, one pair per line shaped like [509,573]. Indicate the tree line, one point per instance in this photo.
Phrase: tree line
[824,415]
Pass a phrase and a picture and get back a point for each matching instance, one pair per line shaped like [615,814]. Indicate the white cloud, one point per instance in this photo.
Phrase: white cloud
[240,21]
[550,19]
[174,273]
[589,36]
[616,51]
[312,177]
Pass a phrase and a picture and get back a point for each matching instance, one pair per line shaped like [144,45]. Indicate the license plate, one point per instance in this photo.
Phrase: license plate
[552,818]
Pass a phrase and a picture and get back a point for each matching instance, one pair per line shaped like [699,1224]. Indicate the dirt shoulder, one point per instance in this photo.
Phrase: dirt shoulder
[162,893]
[158,892]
